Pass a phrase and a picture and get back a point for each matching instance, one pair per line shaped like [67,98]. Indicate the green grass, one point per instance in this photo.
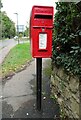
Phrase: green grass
[48,70]
[16,59]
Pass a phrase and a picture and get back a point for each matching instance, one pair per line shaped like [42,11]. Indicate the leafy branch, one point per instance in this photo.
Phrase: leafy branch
[67,37]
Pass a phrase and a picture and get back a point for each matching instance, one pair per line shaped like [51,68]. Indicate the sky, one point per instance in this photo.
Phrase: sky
[23,8]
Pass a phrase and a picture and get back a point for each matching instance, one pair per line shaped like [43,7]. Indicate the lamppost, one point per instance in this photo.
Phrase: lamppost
[17,27]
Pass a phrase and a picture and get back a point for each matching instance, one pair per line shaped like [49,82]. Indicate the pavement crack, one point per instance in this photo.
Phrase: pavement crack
[17,96]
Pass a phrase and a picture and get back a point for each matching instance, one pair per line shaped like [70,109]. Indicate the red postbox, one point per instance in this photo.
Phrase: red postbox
[41,24]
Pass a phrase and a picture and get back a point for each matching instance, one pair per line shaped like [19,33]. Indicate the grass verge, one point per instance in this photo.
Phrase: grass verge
[16,59]
[48,69]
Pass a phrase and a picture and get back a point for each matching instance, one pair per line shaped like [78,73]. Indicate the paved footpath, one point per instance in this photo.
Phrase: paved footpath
[19,95]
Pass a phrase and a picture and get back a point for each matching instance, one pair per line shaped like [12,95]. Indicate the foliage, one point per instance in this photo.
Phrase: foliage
[26,33]
[67,37]
[47,70]
[1,5]
[16,59]
[8,26]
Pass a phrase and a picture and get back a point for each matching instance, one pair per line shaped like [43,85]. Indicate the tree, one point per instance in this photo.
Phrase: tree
[1,5]
[8,26]
[26,33]
[0,20]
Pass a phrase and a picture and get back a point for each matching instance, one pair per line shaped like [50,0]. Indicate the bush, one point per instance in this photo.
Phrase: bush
[67,37]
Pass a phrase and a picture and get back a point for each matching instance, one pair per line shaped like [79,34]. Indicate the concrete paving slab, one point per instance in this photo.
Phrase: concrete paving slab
[19,95]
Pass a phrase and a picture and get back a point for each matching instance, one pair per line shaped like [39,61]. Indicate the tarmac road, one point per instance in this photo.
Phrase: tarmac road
[7,42]
[19,95]
[5,47]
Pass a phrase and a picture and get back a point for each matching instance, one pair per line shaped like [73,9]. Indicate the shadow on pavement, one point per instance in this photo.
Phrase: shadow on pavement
[50,108]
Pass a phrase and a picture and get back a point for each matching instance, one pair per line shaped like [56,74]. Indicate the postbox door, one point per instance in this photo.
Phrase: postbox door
[42,42]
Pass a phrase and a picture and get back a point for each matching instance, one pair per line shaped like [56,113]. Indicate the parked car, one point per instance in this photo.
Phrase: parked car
[15,37]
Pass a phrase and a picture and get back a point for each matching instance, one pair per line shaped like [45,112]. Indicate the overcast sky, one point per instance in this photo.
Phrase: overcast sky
[23,8]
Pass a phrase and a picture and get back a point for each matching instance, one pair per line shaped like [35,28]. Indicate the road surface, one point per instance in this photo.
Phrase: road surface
[5,47]
[19,95]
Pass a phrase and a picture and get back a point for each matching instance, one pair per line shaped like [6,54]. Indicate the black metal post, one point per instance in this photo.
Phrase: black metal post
[39,81]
